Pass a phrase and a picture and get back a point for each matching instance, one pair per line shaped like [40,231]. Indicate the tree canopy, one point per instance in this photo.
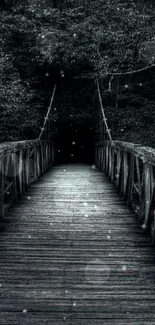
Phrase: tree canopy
[73,43]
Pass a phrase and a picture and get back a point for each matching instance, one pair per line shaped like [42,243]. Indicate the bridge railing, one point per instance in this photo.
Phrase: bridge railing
[131,168]
[21,164]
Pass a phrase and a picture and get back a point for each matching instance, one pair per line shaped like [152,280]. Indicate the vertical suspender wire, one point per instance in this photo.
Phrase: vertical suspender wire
[48,112]
[103,112]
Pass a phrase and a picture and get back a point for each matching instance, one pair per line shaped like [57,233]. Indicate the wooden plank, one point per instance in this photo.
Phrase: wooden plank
[71,252]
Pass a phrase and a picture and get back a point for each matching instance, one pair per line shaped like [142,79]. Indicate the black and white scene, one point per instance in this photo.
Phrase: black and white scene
[77,162]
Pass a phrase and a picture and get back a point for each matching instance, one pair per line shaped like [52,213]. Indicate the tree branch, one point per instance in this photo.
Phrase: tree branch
[131,72]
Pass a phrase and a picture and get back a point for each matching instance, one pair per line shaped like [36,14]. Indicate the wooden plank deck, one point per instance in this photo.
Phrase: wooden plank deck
[72,253]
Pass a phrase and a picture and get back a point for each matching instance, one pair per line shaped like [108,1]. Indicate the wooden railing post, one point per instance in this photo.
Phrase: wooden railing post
[20,172]
[147,196]
[27,168]
[38,161]
[2,188]
[118,167]
[106,158]
[14,164]
[112,164]
[109,161]
[124,173]
[35,163]
[42,158]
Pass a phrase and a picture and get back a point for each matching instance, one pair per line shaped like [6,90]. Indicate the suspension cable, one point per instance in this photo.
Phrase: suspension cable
[103,112]
[48,112]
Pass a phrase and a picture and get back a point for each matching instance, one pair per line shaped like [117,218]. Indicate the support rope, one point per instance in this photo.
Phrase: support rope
[48,112]
[103,112]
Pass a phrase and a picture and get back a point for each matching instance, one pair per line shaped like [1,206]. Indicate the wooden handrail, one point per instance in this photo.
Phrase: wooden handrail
[131,168]
[22,163]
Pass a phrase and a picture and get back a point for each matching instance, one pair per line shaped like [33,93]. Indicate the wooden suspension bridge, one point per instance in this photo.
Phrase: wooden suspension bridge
[76,241]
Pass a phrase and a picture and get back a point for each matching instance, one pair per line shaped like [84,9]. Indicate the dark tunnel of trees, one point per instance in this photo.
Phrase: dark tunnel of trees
[73,43]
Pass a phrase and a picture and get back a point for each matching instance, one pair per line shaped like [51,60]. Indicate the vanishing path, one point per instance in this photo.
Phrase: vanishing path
[71,252]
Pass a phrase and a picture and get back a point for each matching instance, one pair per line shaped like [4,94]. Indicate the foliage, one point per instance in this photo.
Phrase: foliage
[71,43]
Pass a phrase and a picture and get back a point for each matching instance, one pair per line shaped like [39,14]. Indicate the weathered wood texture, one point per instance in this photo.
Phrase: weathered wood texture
[21,163]
[72,253]
[132,169]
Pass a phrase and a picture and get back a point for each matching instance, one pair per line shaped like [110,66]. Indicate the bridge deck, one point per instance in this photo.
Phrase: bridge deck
[72,253]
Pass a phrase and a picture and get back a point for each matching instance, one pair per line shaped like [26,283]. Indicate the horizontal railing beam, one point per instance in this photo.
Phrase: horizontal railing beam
[145,153]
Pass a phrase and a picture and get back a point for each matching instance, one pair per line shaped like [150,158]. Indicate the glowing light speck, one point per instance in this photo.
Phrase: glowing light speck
[124,268]
[24,311]
[85,204]
[62,73]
